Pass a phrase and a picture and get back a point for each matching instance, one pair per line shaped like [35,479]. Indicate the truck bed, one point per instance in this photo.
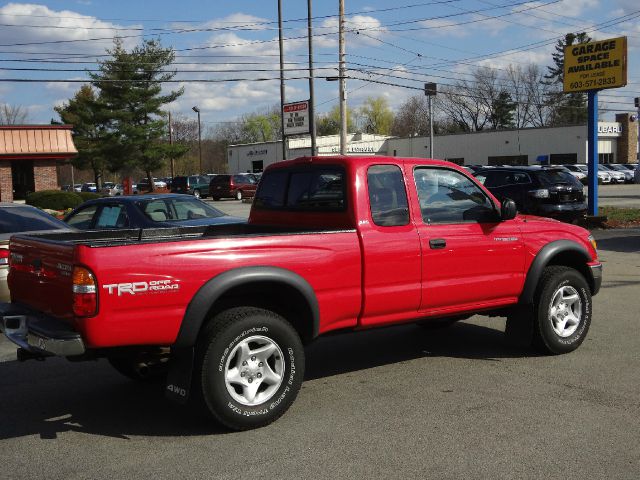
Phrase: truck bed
[120,237]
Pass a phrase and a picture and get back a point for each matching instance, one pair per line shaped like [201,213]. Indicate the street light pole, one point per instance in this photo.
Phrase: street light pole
[197,110]
[430,90]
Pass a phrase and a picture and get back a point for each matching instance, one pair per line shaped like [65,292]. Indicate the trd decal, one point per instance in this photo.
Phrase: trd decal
[136,288]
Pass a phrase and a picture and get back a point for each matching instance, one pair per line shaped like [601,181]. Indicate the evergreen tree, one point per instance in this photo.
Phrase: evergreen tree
[131,97]
[502,110]
[89,131]
[571,108]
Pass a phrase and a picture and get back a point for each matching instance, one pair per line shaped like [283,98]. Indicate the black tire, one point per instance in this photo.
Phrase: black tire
[196,193]
[239,195]
[220,351]
[562,310]
[140,370]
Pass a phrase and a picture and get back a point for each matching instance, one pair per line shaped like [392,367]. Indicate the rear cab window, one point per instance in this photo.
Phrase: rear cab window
[320,189]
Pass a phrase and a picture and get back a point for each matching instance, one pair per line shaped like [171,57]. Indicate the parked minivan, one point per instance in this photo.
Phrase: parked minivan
[236,186]
[196,185]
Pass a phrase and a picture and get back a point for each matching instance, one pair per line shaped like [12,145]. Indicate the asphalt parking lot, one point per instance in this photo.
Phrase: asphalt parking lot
[392,403]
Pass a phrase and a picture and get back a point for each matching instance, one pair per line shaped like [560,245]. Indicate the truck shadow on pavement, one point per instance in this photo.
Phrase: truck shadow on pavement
[344,353]
[56,396]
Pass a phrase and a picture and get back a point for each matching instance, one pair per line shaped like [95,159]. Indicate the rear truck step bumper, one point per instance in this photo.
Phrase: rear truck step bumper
[39,334]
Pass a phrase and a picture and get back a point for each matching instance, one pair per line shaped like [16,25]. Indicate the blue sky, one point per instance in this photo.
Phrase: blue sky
[234,43]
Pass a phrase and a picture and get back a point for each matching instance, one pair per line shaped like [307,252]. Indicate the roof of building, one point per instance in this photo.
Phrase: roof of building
[40,141]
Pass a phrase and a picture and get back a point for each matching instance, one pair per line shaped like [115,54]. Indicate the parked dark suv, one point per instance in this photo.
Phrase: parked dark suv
[236,186]
[196,185]
[545,191]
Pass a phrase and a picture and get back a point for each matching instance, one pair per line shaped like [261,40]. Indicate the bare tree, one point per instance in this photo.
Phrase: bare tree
[12,114]
[462,108]
[539,98]
[412,118]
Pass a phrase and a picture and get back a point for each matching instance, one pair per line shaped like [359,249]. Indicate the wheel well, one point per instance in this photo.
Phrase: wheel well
[575,260]
[269,295]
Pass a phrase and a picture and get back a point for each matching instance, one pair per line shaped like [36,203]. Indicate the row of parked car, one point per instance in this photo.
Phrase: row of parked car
[216,186]
[552,191]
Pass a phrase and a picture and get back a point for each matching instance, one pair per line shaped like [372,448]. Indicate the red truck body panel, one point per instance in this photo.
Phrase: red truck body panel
[362,274]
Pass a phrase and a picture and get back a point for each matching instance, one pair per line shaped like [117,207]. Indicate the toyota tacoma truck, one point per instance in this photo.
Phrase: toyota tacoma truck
[331,244]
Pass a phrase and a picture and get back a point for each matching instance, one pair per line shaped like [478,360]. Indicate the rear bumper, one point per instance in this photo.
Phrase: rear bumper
[38,333]
[563,210]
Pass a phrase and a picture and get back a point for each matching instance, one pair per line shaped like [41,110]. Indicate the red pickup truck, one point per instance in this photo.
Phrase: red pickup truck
[332,243]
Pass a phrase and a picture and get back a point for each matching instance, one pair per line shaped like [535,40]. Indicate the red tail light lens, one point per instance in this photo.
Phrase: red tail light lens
[85,296]
[4,256]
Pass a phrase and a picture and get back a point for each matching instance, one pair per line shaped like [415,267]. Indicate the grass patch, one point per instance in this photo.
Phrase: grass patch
[621,217]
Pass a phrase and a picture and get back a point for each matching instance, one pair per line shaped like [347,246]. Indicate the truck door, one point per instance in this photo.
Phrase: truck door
[469,257]
[391,250]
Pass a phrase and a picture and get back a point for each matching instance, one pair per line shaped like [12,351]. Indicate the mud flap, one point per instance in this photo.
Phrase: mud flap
[179,378]
[519,327]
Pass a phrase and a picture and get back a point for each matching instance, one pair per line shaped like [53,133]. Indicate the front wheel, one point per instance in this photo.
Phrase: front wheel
[563,310]
[250,367]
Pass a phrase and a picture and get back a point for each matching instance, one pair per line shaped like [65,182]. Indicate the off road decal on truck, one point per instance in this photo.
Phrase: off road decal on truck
[136,288]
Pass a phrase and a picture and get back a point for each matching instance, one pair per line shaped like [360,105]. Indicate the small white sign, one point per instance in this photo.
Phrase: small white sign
[296,118]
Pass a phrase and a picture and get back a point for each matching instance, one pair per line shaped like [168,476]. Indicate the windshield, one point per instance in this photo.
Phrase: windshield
[27,219]
[173,209]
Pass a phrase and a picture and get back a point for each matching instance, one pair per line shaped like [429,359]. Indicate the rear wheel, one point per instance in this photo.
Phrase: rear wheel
[250,366]
[196,193]
[563,310]
[239,195]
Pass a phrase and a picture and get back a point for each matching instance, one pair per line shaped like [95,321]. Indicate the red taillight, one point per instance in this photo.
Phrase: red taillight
[4,256]
[85,296]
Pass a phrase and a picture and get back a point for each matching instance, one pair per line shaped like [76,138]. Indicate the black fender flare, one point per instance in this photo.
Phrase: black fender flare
[215,288]
[543,257]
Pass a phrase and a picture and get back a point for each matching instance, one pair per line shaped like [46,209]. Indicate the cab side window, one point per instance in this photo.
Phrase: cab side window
[387,196]
[447,196]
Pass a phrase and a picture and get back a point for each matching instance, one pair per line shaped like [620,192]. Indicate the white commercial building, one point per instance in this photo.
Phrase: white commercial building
[617,143]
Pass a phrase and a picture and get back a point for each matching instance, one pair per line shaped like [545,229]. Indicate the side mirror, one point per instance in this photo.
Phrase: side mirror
[508,210]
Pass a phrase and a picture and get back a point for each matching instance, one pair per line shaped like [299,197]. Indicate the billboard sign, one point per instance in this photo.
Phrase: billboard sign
[595,65]
[296,118]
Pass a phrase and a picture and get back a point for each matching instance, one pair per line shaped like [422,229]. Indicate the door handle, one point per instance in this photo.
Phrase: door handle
[437,243]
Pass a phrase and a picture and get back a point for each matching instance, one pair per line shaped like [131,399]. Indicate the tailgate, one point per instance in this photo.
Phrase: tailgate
[40,275]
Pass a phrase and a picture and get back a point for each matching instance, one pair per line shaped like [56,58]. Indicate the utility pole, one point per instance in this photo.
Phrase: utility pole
[636,102]
[281,44]
[430,90]
[197,110]
[171,143]
[312,106]
[343,82]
